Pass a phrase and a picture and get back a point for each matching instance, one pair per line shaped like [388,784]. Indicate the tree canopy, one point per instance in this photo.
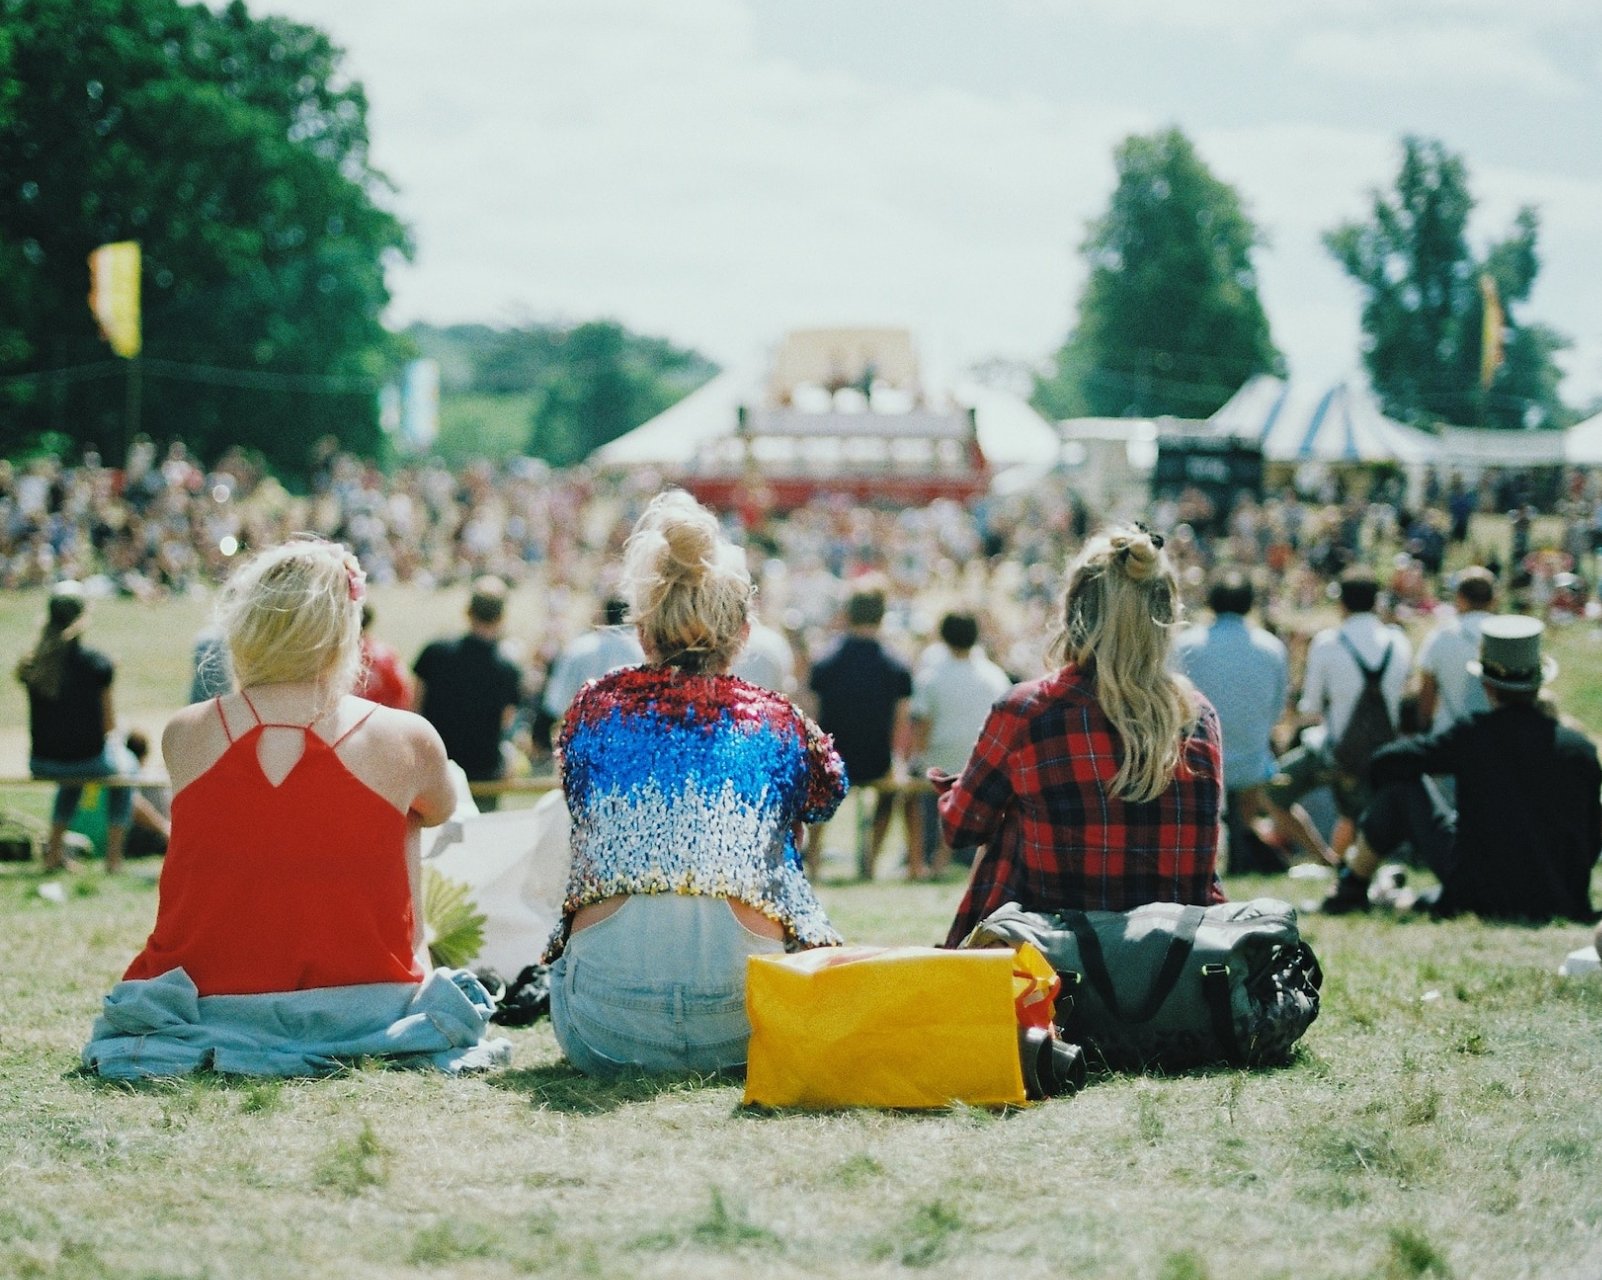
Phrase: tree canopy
[1424,309]
[587,384]
[234,150]
[1169,321]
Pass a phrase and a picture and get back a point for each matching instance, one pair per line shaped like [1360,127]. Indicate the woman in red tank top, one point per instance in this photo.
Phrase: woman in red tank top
[294,859]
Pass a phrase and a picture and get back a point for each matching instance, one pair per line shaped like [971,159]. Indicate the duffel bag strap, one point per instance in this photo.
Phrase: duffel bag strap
[1215,990]
[1095,963]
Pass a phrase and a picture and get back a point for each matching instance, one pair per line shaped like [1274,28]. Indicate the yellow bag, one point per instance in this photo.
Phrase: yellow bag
[891,1026]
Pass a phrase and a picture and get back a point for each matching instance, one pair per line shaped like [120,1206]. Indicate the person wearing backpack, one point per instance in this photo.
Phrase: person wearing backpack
[1351,699]
[1525,833]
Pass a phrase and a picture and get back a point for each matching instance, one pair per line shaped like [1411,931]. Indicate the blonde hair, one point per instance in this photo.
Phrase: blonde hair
[294,613]
[1121,605]
[688,588]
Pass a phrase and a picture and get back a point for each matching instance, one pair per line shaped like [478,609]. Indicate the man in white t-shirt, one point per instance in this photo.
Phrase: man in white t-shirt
[1447,692]
[1331,686]
[591,656]
[766,660]
[951,699]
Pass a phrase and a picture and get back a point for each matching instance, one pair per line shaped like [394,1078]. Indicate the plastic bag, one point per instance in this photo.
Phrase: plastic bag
[911,1027]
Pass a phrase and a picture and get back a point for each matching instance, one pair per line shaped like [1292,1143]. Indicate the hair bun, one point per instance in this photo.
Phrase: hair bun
[1137,553]
[686,553]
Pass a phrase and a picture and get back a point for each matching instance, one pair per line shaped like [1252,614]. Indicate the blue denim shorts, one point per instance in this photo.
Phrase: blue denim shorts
[657,986]
[112,760]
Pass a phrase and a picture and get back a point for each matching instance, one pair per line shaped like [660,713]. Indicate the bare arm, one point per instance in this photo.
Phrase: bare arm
[901,731]
[919,736]
[108,712]
[419,689]
[1429,693]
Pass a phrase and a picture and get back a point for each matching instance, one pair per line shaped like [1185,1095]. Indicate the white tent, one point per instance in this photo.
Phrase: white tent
[1479,447]
[1011,433]
[1582,443]
[673,436]
[1342,424]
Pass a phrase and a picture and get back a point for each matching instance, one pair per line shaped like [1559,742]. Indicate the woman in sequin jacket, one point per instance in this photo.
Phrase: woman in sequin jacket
[688,790]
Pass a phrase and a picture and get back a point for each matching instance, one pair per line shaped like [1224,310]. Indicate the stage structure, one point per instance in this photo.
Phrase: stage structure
[838,412]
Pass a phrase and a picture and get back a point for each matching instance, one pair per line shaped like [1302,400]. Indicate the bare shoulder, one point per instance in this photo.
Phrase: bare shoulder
[192,741]
[403,729]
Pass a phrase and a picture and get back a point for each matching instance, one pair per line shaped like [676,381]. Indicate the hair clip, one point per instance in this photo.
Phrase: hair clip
[355,579]
[1156,538]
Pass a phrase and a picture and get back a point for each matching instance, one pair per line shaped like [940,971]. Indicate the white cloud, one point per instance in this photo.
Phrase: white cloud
[1480,57]
[643,160]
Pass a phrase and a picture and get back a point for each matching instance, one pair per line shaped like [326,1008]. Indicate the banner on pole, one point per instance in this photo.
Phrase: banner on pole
[420,403]
[114,295]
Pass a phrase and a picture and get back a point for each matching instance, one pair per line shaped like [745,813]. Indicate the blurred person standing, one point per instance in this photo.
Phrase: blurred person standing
[383,677]
[1447,691]
[951,699]
[70,723]
[1243,671]
[864,697]
[468,691]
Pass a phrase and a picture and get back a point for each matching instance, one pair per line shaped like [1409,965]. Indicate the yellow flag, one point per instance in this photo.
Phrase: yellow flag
[1491,326]
[114,295]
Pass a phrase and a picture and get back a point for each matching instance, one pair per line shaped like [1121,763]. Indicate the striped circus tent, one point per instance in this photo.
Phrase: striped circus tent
[1341,424]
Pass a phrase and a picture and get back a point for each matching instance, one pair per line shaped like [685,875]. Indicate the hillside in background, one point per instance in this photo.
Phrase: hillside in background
[553,391]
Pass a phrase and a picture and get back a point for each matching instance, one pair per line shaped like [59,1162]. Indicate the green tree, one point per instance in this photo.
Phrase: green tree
[1169,321]
[234,151]
[1423,311]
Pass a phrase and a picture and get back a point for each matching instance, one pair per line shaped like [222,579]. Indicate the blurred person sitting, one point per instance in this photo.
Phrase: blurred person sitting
[151,830]
[1447,691]
[864,697]
[1526,831]
[951,698]
[767,660]
[1244,672]
[1341,663]
[592,655]
[382,677]
[70,723]
[293,877]
[1100,786]
[688,789]
[469,692]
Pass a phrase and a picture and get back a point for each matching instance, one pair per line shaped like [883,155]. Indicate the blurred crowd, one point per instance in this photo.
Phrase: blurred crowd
[168,525]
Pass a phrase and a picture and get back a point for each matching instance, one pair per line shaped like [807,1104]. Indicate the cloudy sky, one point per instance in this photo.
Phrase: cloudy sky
[720,170]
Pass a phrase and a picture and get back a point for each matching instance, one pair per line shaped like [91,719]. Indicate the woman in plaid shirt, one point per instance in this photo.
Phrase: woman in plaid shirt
[1098,787]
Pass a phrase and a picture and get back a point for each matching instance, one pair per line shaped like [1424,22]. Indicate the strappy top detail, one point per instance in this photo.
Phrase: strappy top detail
[287,887]
[276,724]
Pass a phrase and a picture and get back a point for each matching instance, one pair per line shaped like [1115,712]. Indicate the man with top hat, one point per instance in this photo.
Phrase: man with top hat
[1527,828]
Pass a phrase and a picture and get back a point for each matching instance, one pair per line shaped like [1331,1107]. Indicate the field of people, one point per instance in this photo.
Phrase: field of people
[1440,1118]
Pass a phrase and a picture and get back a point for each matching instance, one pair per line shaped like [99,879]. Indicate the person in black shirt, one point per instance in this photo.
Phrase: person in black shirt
[468,692]
[863,702]
[1528,825]
[70,718]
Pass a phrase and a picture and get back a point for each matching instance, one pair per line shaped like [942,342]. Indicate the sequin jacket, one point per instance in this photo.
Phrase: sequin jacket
[692,784]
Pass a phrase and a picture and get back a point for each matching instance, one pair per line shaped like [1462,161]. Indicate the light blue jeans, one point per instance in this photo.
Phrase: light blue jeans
[658,986]
[111,762]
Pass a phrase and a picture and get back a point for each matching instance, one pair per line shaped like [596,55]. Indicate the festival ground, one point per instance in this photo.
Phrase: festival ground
[1440,1119]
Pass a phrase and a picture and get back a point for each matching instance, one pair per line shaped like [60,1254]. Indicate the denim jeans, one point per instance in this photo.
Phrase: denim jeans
[659,985]
[111,762]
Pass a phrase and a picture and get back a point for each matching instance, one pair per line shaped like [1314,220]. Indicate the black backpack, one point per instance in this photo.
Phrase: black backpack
[1370,726]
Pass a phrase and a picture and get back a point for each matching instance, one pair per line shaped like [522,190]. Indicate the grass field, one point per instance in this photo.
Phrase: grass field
[1442,1119]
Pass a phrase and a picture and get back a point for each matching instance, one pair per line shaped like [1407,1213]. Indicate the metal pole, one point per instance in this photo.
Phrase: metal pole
[130,422]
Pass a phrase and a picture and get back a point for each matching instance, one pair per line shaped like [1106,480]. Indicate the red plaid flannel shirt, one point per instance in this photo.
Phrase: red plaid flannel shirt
[1038,792]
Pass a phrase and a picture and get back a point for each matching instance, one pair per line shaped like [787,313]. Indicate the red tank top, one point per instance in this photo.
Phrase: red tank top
[282,888]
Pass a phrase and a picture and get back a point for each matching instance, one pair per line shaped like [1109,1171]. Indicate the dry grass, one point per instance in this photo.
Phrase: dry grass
[1452,1136]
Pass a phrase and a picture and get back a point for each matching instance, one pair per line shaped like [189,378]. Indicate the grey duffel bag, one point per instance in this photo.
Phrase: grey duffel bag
[1167,986]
